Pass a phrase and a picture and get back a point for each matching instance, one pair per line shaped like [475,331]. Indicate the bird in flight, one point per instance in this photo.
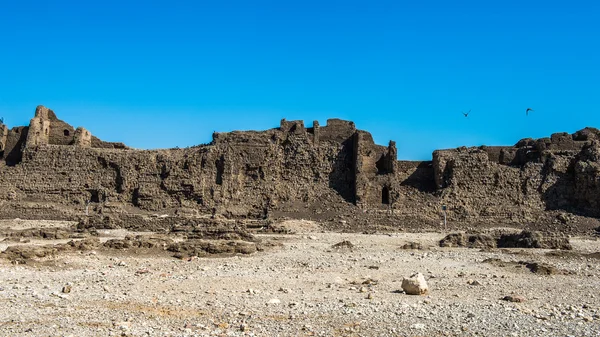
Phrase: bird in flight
[527,111]
[466,113]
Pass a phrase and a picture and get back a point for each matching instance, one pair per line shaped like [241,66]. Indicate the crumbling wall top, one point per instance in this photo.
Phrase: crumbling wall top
[337,130]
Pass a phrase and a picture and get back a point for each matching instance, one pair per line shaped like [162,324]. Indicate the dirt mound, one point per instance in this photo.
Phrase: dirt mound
[343,245]
[571,254]
[529,239]
[524,239]
[42,233]
[468,240]
[412,245]
[542,268]
[212,230]
[534,267]
[201,248]
[139,241]
[22,253]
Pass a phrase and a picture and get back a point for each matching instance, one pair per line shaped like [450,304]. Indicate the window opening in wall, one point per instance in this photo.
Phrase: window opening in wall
[381,165]
[94,196]
[67,133]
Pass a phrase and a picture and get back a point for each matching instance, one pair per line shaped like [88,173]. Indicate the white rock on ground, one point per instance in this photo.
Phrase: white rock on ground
[415,285]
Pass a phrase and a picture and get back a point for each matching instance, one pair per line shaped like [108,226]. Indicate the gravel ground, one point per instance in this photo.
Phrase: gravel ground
[304,288]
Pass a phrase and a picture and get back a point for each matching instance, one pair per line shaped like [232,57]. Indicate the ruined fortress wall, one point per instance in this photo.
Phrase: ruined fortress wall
[248,174]
[240,174]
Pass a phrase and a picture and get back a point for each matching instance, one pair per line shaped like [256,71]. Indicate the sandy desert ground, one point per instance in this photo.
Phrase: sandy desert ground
[303,287]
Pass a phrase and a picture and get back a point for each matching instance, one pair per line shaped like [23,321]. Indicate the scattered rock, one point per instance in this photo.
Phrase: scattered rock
[418,326]
[473,283]
[469,241]
[343,245]
[66,289]
[514,299]
[274,301]
[412,245]
[542,268]
[534,267]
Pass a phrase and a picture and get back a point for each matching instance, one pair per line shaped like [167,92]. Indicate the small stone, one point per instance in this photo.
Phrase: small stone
[418,326]
[473,283]
[66,289]
[274,301]
[514,299]
[363,289]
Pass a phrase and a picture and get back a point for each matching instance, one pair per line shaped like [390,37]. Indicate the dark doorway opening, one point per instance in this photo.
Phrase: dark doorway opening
[385,195]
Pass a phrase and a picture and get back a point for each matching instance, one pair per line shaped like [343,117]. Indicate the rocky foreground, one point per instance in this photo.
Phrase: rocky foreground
[309,283]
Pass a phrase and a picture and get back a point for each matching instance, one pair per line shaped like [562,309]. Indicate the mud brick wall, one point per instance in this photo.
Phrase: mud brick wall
[251,173]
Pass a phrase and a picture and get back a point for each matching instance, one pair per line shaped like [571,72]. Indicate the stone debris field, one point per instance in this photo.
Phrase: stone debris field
[303,284]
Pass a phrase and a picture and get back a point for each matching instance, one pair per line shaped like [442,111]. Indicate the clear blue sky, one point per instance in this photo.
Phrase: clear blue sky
[158,74]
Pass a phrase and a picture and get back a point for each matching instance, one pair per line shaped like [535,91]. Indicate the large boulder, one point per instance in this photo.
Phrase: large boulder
[415,285]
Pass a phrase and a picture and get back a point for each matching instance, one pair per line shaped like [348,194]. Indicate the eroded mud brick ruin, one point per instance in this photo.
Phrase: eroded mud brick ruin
[333,172]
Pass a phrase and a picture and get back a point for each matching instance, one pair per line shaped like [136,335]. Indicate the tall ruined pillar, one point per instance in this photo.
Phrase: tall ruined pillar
[39,127]
[360,180]
[39,131]
[3,136]
[316,130]
[82,137]
[284,125]
[42,112]
[392,157]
